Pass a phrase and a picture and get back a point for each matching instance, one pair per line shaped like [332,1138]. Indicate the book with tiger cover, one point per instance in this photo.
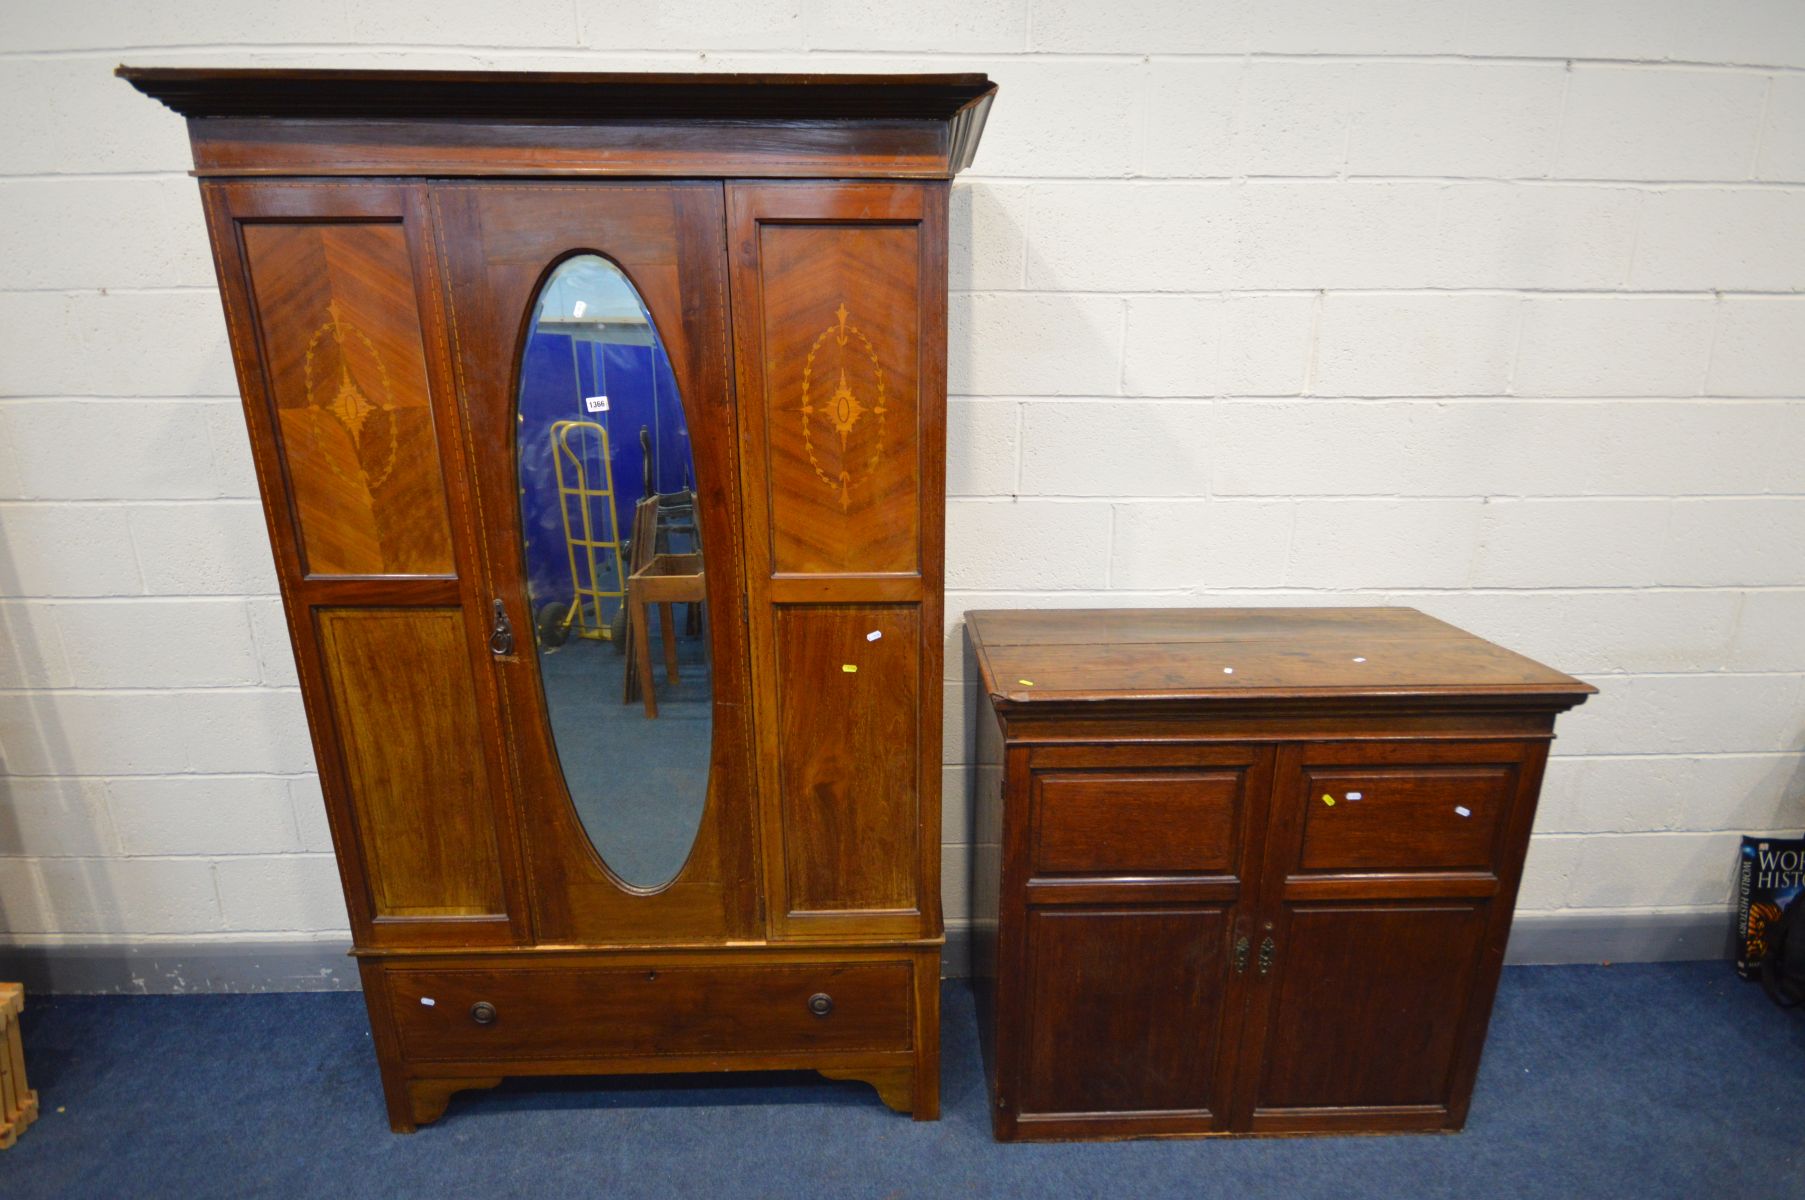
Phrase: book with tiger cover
[1770,876]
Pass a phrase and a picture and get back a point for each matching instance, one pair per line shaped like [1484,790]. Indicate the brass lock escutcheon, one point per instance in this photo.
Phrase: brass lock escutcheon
[1241,948]
[1268,952]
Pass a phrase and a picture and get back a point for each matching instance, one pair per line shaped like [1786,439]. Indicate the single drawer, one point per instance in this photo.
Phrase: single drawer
[596,1012]
[1137,822]
[1404,817]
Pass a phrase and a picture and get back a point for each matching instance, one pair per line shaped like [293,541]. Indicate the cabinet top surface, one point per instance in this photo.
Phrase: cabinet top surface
[1043,657]
[555,97]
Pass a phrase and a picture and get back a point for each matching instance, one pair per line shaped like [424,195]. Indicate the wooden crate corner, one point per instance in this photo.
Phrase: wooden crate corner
[18,1103]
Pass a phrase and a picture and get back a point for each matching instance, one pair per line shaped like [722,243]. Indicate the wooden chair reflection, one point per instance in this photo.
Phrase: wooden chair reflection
[663,578]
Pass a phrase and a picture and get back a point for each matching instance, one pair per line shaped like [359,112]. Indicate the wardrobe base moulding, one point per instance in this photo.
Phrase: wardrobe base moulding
[448,1023]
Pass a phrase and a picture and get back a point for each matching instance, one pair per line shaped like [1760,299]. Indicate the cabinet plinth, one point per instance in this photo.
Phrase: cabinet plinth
[1245,871]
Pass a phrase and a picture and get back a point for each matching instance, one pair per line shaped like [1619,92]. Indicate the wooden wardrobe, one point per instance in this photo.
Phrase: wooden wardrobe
[687,336]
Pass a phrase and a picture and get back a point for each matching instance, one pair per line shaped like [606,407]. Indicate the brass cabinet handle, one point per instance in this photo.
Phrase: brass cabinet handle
[820,1004]
[1268,952]
[501,635]
[482,1012]
[1241,945]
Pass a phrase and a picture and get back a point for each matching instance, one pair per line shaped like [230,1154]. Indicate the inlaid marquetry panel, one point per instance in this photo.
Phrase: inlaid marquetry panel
[336,306]
[404,709]
[841,341]
[848,755]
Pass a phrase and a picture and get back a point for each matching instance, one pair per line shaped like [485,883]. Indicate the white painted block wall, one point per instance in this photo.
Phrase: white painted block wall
[1489,308]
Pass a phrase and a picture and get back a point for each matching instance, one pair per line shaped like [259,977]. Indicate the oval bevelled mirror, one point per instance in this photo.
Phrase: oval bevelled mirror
[614,569]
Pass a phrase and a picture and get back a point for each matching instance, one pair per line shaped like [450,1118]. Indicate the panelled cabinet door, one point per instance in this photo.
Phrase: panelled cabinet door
[840,345]
[1366,1009]
[338,341]
[1136,948]
[1125,1013]
[591,328]
[1385,915]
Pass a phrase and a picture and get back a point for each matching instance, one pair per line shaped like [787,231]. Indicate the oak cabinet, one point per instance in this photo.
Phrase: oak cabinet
[1245,870]
[600,427]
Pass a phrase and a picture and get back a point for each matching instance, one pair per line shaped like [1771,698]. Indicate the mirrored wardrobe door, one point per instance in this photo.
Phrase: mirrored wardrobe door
[615,569]
[591,328]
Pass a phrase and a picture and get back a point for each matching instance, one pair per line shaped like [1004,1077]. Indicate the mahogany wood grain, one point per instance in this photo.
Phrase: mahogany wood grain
[555,1009]
[232,210]
[1397,885]
[848,759]
[1363,937]
[1146,754]
[227,147]
[561,97]
[1101,1038]
[1402,818]
[352,591]
[825,589]
[1103,822]
[341,344]
[429,1098]
[558,1013]
[1125,888]
[1378,720]
[1514,847]
[1368,1006]
[501,243]
[1276,669]
[895,1085]
[401,694]
[322,122]
[924,1065]
[842,287]
[1242,654]
[842,442]
[1407,817]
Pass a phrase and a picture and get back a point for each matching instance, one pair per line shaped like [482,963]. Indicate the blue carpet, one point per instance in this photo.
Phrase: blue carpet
[1651,1080]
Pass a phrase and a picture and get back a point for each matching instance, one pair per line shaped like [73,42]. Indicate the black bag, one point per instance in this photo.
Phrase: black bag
[1783,967]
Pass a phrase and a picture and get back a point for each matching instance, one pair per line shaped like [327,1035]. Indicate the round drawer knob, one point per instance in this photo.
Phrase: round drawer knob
[820,1004]
[482,1012]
